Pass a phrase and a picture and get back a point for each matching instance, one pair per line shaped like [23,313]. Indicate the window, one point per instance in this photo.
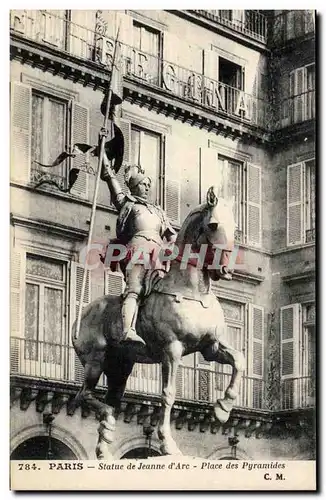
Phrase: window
[231,186]
[49,131]
[302,94]
[298,355]
[299,23]
[45,121]
[45,301]
[146,65]
[301,208]
[146,151]
[231,75]
[239,181]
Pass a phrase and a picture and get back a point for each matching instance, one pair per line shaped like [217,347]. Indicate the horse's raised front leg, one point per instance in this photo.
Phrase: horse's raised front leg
[223,353]
[171,359]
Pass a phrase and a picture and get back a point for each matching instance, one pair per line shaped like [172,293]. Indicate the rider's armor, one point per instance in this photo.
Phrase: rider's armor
[141,226]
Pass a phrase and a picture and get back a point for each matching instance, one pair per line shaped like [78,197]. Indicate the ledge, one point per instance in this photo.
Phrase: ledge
[145,409]
[49,227]
[307,275]
[248,277]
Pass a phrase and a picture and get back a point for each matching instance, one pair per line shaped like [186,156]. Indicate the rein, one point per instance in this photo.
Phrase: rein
[209,257]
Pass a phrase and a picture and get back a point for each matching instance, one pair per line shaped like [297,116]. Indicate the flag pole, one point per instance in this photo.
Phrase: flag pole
[97,183]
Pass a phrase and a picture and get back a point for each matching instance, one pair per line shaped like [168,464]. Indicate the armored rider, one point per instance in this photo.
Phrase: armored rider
[144,226]
[141,225]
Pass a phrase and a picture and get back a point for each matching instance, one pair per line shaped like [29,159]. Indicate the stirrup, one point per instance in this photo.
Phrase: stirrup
[131,336]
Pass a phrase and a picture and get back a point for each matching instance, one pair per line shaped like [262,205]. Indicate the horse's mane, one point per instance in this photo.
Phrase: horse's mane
[190,225]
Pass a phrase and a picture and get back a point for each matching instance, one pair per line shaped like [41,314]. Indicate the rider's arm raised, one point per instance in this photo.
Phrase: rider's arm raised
[109,177]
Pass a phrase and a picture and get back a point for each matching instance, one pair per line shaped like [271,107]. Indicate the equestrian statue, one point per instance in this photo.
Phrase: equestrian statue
[167,310]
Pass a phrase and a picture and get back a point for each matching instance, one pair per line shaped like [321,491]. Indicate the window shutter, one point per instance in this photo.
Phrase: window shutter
[256,355]
[17,305]
[113,283]
[80,133]
[256,341]
[208,166]
[172,188]
[253,205]
[21,125]
[290,335]
[297,89]
[125,127]
[295,205]
[211,64]
[76,279]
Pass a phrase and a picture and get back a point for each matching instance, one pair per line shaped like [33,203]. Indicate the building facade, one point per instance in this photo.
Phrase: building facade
[223,97]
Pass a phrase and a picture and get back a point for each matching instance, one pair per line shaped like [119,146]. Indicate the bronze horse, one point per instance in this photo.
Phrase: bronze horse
[180,316]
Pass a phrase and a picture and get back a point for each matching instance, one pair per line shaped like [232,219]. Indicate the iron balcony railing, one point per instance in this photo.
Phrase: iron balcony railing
[310,235]
[297,109]
[292,24]
[297,393]
[248,22]
[57,362]
[139,66]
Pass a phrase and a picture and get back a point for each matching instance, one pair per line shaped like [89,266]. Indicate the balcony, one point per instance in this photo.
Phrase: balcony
[247,22]
[292,25]
[44,361]
[297,109]
[138,67]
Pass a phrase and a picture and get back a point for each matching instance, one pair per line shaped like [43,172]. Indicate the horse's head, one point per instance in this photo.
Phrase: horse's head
[211,223]
[218,224]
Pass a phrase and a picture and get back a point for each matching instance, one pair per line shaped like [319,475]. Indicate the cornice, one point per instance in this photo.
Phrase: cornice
[145,409]
[307,275]
[48,227]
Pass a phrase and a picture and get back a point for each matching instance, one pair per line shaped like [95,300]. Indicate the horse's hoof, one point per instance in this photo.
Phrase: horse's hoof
[170,449]
[220,414]
[102,451]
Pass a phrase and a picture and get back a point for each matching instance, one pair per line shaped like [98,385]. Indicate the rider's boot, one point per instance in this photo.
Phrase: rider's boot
[224,273]
[129,315]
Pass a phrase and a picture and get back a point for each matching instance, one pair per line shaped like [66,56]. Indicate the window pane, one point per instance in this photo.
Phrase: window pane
[40,266]
[56,131]
[56,127]
[149,42]
[53,318]
[37,127]
[31,321]
[229,186]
